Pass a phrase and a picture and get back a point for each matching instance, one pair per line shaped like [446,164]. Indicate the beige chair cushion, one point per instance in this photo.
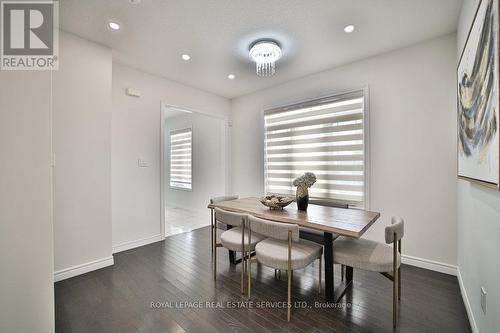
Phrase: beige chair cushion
[277,230]
[230,218]
[231,239]
[364,254]
[397,228]
[274,253]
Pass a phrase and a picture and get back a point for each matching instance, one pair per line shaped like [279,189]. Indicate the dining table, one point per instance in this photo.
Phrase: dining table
[331,221]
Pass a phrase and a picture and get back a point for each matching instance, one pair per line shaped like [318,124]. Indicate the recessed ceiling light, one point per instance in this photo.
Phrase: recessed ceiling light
[114,25]
[231,76]
[185,57]
[135,2]
[349,28]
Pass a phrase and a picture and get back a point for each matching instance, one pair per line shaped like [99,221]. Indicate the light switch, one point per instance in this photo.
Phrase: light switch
[142,163]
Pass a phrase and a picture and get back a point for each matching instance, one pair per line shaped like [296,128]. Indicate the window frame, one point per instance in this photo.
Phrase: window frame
[170,159]
[366,135]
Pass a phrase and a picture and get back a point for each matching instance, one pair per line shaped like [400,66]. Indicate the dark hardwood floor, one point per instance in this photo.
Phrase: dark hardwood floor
[176,274]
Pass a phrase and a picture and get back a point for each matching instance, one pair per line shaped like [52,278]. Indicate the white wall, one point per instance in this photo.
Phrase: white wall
[208,163]
[26,250]
[82,147]
[478,229]
[136,202]
[412,108]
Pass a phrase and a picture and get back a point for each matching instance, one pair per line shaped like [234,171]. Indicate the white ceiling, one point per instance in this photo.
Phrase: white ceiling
[217,34]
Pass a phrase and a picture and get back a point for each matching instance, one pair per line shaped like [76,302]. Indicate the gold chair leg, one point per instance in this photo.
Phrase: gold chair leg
[394,283]
[399,272]
[215,262]
[249,268]
[243,260]
[242,279]
[399,283]
[289,314]
[214,246]
[394,301]
[249,274]
[212,231]
[289,271]
[319,286]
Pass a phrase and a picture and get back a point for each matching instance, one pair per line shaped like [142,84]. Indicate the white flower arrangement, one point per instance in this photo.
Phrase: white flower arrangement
[307,179]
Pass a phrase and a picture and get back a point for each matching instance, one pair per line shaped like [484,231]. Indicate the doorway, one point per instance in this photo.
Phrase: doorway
[194,167]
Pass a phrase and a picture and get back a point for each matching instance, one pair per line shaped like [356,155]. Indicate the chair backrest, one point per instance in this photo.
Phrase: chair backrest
[230,218]
[328,203]
[397,228]
[223,198]
[276,230]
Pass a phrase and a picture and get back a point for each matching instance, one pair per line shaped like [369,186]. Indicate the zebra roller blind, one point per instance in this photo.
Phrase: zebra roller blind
[181,145]
[324,136]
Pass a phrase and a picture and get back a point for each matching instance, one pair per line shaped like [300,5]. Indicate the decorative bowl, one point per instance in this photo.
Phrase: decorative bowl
[276,201]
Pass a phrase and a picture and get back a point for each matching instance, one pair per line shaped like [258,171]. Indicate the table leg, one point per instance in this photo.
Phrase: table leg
[344,284]
[329,275]
[333,294]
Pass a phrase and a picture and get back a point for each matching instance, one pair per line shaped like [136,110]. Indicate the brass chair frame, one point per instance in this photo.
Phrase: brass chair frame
[395,278]
[216,245]
[289,271]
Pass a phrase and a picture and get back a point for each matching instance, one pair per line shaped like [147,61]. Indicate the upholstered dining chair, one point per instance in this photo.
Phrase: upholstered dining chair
[283,250]
[234,239]
[376,257]
[212,228]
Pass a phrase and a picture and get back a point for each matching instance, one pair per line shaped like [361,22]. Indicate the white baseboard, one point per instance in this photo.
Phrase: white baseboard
[136,243]
[468,307]
[430,264]
[83,268]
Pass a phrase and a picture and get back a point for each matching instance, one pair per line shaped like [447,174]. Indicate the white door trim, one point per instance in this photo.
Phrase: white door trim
[225,150]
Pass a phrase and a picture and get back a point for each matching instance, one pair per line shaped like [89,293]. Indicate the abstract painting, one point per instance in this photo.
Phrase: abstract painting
[478,100]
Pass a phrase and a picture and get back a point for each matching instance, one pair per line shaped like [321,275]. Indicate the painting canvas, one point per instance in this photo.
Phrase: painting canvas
[478,100]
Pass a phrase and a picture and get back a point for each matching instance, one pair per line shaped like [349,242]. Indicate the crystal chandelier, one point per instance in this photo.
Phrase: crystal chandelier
[265,54]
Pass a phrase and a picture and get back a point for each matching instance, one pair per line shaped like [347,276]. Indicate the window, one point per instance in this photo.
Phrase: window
[324,136]
[181,145]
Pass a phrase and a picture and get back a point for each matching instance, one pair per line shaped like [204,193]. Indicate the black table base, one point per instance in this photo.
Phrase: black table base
[332,294]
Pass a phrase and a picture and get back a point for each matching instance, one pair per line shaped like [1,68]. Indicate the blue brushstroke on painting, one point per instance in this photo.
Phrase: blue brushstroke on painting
[477,99]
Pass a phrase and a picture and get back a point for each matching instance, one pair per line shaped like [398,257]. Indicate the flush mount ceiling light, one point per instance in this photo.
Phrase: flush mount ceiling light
[231,76]
[114,25]
[185,57]
[349,28]
[265,53]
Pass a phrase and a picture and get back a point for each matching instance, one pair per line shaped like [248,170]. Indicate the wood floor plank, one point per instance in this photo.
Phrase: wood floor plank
[177,274]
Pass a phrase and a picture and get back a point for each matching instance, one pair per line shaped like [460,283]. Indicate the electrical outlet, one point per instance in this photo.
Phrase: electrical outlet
[483,299]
